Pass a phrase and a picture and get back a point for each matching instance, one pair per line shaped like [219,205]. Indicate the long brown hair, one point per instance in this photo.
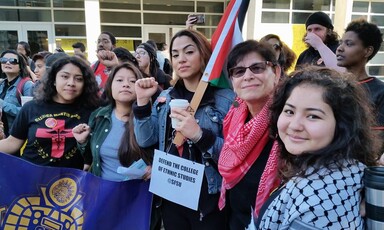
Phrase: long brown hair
[129,151]
[202,45]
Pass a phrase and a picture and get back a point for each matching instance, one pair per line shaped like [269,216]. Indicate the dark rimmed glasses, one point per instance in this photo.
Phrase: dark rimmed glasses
[140,53]
[256,68]
[12,61]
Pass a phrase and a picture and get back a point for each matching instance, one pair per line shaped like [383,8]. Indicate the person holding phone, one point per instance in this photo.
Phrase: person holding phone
[194,19]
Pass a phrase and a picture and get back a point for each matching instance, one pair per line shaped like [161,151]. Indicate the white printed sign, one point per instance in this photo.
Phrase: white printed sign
[176,179]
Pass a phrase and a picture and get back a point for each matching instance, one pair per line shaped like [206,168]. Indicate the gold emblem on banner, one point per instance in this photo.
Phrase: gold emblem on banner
[54,209]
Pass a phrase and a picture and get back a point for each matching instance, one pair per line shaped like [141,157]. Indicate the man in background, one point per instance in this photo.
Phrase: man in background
[78,48]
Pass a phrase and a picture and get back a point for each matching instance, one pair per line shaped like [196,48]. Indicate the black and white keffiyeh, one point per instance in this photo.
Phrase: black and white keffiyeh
[324,200]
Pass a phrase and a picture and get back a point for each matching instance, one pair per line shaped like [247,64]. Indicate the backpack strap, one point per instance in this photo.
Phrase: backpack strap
[20,87]
[95,66]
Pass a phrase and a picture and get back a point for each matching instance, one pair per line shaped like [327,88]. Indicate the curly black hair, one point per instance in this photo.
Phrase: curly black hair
[90,95]
[368,33]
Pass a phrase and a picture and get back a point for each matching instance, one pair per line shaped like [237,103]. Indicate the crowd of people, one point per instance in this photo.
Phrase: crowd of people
[285,148]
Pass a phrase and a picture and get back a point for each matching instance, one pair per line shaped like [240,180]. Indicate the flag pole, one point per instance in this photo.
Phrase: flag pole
[221,38]
[195,102]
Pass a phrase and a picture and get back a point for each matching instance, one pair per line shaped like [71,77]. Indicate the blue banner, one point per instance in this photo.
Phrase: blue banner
[38,197]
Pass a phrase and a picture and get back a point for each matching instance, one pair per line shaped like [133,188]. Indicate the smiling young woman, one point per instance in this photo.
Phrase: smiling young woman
[67,96]
[108,136]
[323,126]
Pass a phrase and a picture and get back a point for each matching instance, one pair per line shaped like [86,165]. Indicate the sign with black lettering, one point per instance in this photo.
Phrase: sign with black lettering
[176,179]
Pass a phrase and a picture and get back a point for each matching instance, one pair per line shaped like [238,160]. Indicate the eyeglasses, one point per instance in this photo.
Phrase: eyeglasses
[256,68]
[12,61]
[104,41]
[140,53]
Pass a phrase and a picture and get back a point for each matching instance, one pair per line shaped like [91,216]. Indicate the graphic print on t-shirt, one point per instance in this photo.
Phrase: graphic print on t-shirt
[57,133]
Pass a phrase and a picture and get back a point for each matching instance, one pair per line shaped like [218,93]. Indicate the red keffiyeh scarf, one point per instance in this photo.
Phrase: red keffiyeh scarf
[243,143]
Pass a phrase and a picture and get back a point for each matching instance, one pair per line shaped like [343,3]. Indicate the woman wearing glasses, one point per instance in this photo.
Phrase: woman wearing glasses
[285,56]
[248,160]
[190,52]
[15,74]
[146,57]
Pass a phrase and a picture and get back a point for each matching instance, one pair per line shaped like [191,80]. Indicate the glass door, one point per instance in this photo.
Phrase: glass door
[39,36]
[9,36]
[160,35]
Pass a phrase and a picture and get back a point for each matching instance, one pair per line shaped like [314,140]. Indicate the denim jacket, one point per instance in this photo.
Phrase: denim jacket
[100,123]
[11,105]
[152,129]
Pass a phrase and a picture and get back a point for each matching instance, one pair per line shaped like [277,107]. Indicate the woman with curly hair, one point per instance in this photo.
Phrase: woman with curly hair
[323,126]
[67,97]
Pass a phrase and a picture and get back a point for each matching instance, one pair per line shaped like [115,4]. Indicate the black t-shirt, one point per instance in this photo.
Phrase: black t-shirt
[47,127]
[241,198]
[311,56]
[375,89]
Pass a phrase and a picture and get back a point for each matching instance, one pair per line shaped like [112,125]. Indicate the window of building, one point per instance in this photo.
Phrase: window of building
[118,4]
[275,17]
[69,16]
[120,17]
[70,30]
[68,3]
[377,7]
[279,4]
[313,5]
[294,11]
[360,6]
[123,31]
[168,5]
[66,43]
[210,7]
[8,40]
[28,3]
[29,15]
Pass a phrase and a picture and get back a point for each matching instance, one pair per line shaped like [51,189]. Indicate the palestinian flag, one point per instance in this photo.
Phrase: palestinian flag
[226,36]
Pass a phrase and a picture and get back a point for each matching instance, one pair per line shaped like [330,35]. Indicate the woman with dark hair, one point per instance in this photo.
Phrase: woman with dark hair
[123,55]
[117,145]
[285,56]
[39,60]
[16,83]
[146,57]
[67,97]
[248,159]
[24,48]
[190,53]
[323,126]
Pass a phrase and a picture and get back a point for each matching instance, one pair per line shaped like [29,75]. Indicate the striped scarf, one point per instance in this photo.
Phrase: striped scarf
[244,141]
